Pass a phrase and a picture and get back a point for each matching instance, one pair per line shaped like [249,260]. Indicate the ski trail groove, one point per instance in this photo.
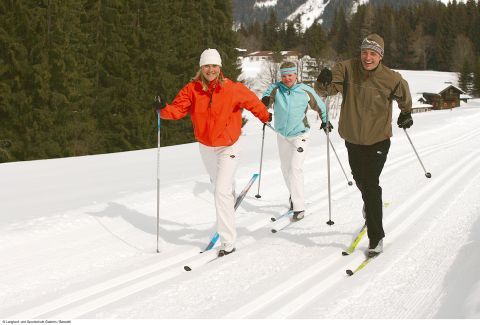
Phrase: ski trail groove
[83,301]
[316,271]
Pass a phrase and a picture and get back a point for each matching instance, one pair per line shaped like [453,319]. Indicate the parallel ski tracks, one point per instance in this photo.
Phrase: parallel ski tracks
[311,283]
[81,302]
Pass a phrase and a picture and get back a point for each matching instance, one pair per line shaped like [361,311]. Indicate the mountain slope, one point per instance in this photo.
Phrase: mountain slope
[308,11]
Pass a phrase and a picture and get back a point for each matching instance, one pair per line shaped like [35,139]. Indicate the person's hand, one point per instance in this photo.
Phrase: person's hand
[405,120]
[266,100]
[157,103]
[326,127]
[325,77]
[270,115]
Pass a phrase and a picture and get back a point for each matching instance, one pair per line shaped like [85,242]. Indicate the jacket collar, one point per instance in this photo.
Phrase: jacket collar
[284,88]
[371,73]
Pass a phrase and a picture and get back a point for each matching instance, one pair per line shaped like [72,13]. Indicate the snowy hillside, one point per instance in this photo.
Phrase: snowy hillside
[309,11]
[79,234]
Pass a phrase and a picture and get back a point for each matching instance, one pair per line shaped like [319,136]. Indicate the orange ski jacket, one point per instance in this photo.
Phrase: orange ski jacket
[216,114]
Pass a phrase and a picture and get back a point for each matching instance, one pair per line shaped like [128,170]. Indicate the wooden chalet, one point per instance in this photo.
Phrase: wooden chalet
[445,97]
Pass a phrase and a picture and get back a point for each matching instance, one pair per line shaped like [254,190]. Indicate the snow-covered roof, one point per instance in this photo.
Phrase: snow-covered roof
[440,88]
[419,102]
[270,53]
[261,53]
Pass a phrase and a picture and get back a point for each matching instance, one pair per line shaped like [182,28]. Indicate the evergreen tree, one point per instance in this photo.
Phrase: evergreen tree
[476,79]
[270,31]
[315,41]
[339,34]
[465,79]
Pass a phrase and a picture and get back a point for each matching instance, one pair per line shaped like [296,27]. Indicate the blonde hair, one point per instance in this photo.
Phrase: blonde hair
[288,64]
[199,76]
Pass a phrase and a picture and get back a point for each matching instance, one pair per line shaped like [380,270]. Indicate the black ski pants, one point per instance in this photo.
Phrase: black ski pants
[366,163]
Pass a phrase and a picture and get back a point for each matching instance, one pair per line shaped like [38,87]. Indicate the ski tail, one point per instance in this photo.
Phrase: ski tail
[238,201]
[244,192]
[367,260]
[355,242]
[289,213]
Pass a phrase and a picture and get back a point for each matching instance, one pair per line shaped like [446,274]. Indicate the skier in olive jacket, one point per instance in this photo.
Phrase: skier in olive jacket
[368,88]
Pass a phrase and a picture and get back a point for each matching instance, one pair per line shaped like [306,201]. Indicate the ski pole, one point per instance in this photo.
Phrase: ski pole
[350,183]
[330,221]
[158,105]
[427,174]
[261,161]
[299,149]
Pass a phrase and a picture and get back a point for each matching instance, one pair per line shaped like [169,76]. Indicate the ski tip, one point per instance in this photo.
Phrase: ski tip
[345,253]
[187,268]
[274,231]
[349,272]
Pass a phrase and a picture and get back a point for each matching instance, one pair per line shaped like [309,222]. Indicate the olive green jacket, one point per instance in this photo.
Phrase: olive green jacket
[366,112]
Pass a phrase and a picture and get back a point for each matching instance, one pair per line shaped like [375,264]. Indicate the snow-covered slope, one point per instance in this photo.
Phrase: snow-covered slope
[79,234]
[308,11]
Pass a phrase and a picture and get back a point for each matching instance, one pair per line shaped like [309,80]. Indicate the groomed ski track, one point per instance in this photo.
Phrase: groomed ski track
[308,278]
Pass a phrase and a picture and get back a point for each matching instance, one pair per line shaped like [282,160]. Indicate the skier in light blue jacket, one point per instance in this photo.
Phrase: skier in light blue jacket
[291,100]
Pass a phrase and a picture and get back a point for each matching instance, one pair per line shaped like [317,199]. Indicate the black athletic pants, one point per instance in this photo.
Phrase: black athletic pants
[366,162]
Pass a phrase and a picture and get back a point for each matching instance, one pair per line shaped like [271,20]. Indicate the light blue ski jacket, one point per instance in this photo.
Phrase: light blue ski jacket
[290,107]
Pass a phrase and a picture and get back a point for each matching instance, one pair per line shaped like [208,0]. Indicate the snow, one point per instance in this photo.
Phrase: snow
[309,12]
[265,3]
[79,234]
[450,1]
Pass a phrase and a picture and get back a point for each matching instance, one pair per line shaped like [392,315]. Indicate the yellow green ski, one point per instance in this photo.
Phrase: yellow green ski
[361,266]
[355,242]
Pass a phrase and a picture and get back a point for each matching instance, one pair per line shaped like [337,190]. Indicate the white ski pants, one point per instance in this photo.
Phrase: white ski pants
[221,164]
[291,162]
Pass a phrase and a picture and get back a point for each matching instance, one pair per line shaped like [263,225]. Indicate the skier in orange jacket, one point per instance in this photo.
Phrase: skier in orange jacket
[215,105]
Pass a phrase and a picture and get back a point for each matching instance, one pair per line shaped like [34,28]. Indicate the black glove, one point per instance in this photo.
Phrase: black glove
[270,117]
[326,127]
[325,77]
[266,100]
[157,103]
[405,120]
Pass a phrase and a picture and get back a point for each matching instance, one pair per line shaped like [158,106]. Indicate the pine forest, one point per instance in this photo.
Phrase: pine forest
[78,77]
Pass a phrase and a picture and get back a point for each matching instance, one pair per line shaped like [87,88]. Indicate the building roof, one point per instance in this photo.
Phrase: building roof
[419,102]
[270,53]
[439,88]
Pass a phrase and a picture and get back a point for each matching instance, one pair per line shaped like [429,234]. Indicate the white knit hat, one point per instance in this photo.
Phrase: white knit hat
[210,56]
